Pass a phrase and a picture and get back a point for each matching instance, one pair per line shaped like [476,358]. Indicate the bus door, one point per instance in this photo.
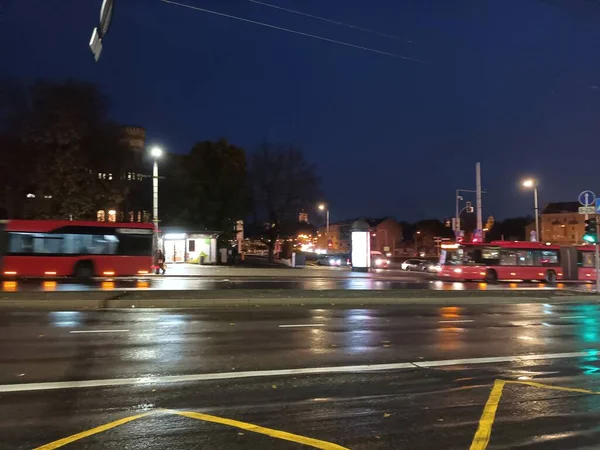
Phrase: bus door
[569,262]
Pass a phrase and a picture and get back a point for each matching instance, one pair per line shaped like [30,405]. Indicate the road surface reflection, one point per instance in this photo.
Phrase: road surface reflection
[316,283]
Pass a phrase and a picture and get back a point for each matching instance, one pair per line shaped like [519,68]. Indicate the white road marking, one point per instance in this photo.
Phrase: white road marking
[97,331]
[572,317]
[303,325]
[278,372]
[455,321]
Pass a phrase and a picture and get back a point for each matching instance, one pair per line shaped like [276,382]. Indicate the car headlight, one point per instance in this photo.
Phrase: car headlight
[457,270]
[378,262]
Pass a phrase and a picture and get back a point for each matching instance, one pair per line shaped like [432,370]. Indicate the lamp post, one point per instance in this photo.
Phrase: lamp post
[322,207]
[531,183]
[417,243]
[156,153]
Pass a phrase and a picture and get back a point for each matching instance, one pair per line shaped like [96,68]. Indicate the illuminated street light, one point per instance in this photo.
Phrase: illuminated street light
[531,183]
[156,153]
[323,207]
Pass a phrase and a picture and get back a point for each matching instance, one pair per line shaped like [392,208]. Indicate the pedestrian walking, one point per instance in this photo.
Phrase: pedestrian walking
[159,262]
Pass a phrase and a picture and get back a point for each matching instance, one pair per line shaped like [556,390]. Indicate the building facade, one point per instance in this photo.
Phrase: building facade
[561,223]
[136,174]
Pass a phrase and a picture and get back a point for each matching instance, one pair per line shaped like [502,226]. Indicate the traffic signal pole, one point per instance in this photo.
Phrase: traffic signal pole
[597,269]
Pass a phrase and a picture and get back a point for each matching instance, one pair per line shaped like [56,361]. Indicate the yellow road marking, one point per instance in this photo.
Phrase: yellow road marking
[556,388]
[484,430]
[84,434]
[316,443]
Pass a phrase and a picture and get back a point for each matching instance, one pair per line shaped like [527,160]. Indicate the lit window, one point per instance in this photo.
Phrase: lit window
[99,176]
[139,216]
[104,176]
[112,215]
[129,175]
[110,176]
[131,216]
[101,216]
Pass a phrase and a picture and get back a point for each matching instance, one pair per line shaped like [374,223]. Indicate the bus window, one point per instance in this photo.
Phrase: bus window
[545,258]
[44,244]
[588,259]
[20,243]
[490,256]
[508,258]
[525,258]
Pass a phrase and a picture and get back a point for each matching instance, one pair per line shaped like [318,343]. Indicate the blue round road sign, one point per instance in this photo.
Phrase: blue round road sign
[587,198]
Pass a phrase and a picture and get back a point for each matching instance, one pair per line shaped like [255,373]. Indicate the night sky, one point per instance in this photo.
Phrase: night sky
[514,84]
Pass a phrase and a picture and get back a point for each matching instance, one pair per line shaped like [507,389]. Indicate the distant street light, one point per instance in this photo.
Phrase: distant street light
[531,183]
[156,153]
[417,243]
[323,207]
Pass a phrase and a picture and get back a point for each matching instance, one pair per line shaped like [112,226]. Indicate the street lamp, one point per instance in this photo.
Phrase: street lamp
[156,153]
[417,243]
[531,183]
[323,207]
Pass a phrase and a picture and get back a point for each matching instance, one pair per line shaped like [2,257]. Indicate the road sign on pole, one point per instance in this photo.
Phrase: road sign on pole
[587,209]
[587,198]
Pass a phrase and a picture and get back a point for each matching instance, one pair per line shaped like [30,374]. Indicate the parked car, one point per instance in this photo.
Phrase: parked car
[333,260]
[379,260]
[415,264]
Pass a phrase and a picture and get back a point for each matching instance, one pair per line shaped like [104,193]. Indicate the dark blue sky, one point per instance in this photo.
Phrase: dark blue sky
[514,84]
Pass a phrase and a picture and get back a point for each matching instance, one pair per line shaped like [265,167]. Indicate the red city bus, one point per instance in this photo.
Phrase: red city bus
[501,260]
[586,269]
[60,248]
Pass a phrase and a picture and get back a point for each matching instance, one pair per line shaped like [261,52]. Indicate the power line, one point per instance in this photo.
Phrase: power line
[314,36]
[367,30]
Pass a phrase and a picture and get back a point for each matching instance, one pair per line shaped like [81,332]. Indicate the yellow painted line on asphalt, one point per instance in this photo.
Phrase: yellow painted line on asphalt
[84,434]
[484,430]
[555,388]
[277,434]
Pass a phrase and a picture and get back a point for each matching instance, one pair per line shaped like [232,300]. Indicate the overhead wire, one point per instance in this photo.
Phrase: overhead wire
[324,19]
[275,27]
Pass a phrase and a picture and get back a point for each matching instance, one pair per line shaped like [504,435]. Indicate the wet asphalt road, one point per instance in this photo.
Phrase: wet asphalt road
[430,396]
[304,283]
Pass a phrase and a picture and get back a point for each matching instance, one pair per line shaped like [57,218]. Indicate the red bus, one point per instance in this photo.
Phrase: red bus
[586,269]
[501,260]
[60,248]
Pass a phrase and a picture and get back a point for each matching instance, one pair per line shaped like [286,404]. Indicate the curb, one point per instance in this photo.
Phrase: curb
[237,298]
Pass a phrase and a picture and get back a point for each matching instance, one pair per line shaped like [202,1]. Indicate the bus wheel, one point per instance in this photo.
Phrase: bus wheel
[491,276]
[84,270]
[550,277]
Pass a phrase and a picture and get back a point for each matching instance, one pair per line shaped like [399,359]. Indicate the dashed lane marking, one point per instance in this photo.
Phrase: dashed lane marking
[455,321]
[97,331]
[303,325]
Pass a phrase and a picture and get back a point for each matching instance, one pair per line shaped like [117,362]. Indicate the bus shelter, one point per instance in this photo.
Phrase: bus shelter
[193,247]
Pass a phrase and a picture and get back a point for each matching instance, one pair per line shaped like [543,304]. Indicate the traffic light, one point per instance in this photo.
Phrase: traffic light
[591,231]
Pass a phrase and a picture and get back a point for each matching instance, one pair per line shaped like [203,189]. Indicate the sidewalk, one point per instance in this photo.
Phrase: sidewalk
[195,270]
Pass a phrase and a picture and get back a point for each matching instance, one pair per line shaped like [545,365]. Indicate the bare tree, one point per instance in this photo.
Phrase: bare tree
[282,183]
